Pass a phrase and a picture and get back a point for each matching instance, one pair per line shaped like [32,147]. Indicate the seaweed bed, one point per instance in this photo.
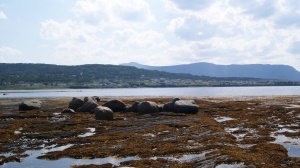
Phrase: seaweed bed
[227,131]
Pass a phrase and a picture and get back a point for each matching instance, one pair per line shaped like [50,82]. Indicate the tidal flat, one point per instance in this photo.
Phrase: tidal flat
[227,131]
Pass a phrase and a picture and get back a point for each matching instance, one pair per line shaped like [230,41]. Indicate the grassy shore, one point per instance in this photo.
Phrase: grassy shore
[235,130]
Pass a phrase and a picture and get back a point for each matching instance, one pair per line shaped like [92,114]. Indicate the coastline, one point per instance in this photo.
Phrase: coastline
[227,130]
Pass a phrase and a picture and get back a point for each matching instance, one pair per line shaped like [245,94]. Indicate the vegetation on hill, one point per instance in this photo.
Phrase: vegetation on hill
[81,73]
[98,75]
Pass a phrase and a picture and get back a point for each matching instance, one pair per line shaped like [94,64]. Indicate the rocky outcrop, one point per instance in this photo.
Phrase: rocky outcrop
[30,105]
[75,103]
[115,105]
[186,106]
[103,113]
[147,107]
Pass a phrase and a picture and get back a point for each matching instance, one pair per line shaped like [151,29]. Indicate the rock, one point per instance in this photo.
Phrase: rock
[86,99]
[160,108]
[75,103]
[133,107]
[147,107]
[96,98]
[186,106]
[170,105]
[103,113]
[115,105]
[88,106]
[30,105]
[68,111]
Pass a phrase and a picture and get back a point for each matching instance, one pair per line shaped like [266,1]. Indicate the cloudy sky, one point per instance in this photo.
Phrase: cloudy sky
[151,32]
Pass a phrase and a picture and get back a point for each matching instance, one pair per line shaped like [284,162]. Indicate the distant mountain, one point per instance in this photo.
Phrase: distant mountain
[264,71]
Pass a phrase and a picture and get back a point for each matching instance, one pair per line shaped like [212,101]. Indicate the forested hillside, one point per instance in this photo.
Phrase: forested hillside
[81,73]
[16,76]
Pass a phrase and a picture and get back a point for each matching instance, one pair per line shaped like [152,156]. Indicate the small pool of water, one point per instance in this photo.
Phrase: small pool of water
[183,158]
[222,119]
[90,133]
[230,166]
[292,145]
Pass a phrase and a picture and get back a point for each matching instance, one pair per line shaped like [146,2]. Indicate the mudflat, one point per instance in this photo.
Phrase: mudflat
[227,131]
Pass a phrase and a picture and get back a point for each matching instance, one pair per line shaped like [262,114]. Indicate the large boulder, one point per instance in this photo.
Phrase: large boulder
[103,113]
[170,105]
[133,107]
[186,106]
[75,103]
[147,107]
[88,106]
[30,105]
[115,105]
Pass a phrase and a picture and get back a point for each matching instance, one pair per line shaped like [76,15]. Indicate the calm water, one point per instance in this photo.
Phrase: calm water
[185,91]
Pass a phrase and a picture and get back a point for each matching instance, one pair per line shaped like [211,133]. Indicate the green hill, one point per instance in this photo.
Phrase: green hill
[15,76]
[15,73]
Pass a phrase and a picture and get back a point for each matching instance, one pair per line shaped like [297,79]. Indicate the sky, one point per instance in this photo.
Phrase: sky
[150,32]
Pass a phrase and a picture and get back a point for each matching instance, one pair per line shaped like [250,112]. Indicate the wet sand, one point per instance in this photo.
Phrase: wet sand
[236,131]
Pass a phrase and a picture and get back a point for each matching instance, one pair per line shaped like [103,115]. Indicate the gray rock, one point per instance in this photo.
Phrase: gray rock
[170,105]
[103,113]
[86,99]
[88,106]
[30,105]
[147,107]
[97,98]
[186,106]
[115,105]
[75,103]
[133,107]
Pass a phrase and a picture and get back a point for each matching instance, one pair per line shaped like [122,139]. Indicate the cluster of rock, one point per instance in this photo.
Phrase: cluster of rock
[106,111]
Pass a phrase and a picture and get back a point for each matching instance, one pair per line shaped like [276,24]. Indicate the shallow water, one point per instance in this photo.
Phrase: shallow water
[230,166]
[222,119]
[292,145]
[90,133]
[32,161]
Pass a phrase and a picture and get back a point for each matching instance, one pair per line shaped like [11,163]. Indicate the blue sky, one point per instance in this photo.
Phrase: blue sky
[151,32]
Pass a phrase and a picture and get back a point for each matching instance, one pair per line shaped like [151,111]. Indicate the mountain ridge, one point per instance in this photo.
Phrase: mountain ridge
[265,71]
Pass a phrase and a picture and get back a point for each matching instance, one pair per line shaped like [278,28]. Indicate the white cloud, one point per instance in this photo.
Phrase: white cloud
[191,4]
[257,8]
[194,28]
[294,48]
[9,51]
[82,53]
[68,30]
[131,39]
[2,15]
[114,13]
